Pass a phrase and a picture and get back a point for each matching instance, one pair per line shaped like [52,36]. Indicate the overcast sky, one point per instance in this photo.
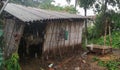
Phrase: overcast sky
[81,11]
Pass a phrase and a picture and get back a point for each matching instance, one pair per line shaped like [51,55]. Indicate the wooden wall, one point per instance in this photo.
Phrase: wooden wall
[53,39]
[12,33]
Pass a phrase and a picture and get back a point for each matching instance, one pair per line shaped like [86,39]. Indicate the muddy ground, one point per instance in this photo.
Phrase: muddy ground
[74,61]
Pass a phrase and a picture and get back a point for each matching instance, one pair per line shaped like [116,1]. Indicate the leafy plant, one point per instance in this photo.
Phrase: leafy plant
[101,63]
[12,63]
[95,58]
[1,59]
[115,40]
[111,65]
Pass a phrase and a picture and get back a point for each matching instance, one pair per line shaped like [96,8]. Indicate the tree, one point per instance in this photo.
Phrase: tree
[33,3]
[45,4]
[86,4]
[106,20]
[76,3]
[106,14]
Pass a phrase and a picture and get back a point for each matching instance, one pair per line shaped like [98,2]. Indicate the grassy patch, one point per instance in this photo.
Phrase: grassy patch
[115,40]
[110,65]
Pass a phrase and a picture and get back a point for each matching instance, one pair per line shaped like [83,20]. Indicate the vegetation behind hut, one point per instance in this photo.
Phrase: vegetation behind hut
[46,4]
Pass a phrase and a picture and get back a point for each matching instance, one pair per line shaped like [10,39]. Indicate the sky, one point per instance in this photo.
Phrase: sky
[80,10]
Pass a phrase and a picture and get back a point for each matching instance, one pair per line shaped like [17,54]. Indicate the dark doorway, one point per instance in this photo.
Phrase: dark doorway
[31,43]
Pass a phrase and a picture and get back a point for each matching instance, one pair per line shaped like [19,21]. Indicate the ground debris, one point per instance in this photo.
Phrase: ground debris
[77,68]
[74,62]
[83,61]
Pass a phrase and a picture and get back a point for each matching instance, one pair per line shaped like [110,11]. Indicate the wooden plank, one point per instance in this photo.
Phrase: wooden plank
[52,34]
[7,48]
[58,25]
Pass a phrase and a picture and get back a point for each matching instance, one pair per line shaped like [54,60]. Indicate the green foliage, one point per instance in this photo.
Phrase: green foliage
[99,25]
[69,9]
[33,3]
[95,58]
[96,33]
[116,21]
[12,63]
[1,59]
[101,63]
[83,42]
[113,20]
[111,65]
[115,40]
[46,4]
[102,5]
[86,3]
[16,1]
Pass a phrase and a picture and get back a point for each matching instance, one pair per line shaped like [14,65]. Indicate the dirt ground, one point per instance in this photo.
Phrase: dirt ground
[74,61]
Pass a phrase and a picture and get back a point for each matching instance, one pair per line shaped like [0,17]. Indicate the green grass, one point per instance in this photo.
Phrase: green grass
[115,40]
[110,65]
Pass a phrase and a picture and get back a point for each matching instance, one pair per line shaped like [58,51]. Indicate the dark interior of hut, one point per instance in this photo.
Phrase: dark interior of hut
[31,43]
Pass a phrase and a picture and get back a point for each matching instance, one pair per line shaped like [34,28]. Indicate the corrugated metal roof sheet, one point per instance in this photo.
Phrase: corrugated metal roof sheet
[28,14]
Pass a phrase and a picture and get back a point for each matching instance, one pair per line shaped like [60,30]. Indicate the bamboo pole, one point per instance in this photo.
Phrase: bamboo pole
[65,26]
[105,37]
[69,29]
[4,6]
[45,40]
[5,36]
[5,30]
[50,42]
[105,34]
[58,24]
[10,39]
[22,30]
[52,34]
[110,37]
[71,40]
[79,27]
[76,26]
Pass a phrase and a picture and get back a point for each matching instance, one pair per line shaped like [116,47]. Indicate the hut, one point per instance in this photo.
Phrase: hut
[53,32]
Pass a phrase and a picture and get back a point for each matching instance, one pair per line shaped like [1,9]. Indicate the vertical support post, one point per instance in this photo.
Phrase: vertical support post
[8,42]
[110,37]
[4,6]
[69,50]
[58,47]
[52,34]
[86,32]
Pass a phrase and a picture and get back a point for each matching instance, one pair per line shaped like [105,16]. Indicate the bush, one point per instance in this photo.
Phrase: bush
[12,63]
[115,40]
[111,65]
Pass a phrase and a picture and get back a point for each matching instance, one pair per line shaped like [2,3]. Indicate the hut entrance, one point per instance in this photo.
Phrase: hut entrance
[31,43]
